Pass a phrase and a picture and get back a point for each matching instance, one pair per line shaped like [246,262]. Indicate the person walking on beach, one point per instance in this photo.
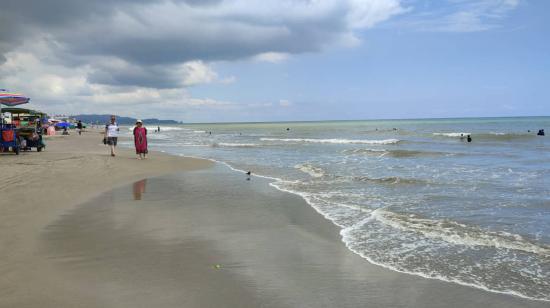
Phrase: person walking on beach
[79,127]
[140,140]
[111,133]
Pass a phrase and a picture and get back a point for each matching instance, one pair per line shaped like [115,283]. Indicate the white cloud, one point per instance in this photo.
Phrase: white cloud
[458,15]
[124,56]
[272,57]
[196,72]
[366,14]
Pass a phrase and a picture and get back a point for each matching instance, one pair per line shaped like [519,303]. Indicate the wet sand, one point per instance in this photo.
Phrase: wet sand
[203,238]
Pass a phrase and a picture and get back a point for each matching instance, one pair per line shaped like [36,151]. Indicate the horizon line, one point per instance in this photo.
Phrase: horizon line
[353,120]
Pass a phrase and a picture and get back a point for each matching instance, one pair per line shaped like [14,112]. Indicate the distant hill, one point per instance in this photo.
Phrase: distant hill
[104,118]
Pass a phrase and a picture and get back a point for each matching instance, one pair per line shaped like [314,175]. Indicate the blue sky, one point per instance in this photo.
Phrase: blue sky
[363,60]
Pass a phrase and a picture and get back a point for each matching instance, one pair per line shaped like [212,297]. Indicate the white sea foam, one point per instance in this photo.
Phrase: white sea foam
[167,128]
[349,242]
[158,136]
[452,134]
[334,213]
[162,128]
[333,141]
[456,233]
[236,145]
[315,172]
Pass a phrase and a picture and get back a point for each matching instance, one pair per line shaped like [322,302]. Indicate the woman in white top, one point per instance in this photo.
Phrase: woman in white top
[111,133]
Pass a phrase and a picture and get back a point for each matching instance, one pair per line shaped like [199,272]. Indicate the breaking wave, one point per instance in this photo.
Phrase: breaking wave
[457,233]
[396,153]
[393,180]
[492,136]
[315,172]
[333,141]
[235,145]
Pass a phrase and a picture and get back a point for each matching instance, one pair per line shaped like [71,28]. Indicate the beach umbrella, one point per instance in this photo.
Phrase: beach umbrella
[11,99]
[63,124]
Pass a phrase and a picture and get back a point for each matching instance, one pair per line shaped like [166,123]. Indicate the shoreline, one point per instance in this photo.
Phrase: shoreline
[273,184]
[298,226]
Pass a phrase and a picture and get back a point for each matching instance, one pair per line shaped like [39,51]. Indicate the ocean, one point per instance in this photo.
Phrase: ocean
[409,195]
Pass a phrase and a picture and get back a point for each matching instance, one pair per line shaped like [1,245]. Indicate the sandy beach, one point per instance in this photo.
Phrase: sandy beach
[35,188]
[79,228]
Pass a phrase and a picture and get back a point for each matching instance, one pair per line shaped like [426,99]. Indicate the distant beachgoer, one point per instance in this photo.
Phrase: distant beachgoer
[158,129]
[461,137]
[111,133]
[79,127]
[210,133]
[65,131]
[287,129]
[541,132]
[140,140]
[469,138]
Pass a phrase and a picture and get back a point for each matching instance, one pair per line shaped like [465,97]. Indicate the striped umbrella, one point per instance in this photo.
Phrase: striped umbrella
[12,99]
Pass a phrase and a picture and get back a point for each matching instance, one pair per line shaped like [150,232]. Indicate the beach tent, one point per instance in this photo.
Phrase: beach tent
[26,114]
[24,111]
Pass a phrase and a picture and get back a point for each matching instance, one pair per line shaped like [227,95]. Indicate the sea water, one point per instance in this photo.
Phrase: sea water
[410,195]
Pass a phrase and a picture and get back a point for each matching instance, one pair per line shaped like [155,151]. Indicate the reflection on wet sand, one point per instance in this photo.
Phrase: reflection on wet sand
[139,188]
[210,239]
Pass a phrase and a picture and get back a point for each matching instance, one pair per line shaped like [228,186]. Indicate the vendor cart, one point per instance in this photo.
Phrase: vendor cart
[29,127]
[8,132]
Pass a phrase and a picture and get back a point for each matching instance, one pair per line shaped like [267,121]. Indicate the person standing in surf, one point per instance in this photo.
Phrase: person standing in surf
[140,140]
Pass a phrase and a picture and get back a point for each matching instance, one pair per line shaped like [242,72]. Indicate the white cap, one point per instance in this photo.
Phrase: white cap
[139,121]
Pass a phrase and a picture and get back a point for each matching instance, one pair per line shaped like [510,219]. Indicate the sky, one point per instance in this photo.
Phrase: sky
[278,60]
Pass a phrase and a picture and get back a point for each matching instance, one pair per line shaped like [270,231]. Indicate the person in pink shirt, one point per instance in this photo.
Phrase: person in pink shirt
[140,140]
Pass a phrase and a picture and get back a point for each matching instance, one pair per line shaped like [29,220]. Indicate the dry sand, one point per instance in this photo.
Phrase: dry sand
[108,233]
